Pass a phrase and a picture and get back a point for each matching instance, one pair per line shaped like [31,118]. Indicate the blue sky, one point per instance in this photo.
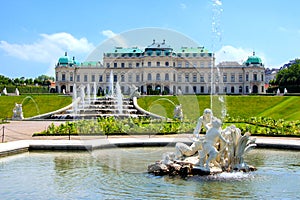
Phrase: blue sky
[35,33]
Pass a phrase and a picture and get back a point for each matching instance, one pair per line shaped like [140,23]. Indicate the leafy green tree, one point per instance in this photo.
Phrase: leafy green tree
[289,78]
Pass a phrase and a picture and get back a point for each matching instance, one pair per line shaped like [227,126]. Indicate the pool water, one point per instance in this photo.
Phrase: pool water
[121,173]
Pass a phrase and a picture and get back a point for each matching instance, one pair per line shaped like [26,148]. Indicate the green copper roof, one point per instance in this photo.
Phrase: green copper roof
[253,60]
[126,50]
[192,50]
[65,60]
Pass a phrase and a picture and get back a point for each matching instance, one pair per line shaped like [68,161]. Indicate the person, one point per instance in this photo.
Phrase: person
[205,121]
[208,146]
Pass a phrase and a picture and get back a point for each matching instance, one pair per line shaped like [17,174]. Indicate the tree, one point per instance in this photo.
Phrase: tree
[289,77]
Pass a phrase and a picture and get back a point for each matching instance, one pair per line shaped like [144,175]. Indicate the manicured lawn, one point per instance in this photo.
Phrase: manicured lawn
[32,104]
[276,107]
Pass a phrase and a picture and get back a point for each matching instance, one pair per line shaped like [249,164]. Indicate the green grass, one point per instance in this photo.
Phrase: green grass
[288,109]
[32,104]
[276,107]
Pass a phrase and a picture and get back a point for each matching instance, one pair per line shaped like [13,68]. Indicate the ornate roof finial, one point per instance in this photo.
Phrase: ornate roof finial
[253,53]
[153,41]
[164,41]
[66,54]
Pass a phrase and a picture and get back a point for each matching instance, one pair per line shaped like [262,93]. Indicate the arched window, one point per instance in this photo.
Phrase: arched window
[158,77]
[149,77]
[166,77]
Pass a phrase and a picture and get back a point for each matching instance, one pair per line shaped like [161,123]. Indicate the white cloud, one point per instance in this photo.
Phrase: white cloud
[48,48]
[117,39]
[230,53]
[217,2]
[108,33]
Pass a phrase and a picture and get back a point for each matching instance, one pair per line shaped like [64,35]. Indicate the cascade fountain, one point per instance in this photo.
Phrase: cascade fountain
[119,98]
[111,84]
[88,94]
[94,92]
[74,101]
[82,96]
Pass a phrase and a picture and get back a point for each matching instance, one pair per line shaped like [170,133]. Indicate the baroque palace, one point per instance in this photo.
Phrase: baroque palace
[159,69]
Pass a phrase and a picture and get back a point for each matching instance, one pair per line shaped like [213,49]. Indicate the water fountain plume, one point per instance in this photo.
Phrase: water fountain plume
[75,103]
[82,96]
[119,98]
[217,99]
[111,83]
[88,94]
[94,92]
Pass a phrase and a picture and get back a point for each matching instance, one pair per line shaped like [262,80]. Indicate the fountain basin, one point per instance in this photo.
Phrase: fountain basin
[120,173]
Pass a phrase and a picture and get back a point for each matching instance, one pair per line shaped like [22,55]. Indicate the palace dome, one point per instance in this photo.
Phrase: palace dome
[253,60]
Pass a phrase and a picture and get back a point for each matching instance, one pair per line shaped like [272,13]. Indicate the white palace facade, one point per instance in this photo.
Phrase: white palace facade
[159,69]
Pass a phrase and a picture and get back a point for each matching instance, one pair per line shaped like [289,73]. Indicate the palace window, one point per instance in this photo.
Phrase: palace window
[179,64]
[71,76]
[137,78]
[93,78]
[115,65]
[63,77]
[179,78]
[122,78]
[187,64]
[158,64]
[122,65]
[187,78]
[224,78]
[100,78]
[115,78]
[232,77]
[78,78]
[130,78]
[240,77]
[202,78]
[255,77]
[158,77]
[85,79]
[194,77]
[149,77]
[166,77]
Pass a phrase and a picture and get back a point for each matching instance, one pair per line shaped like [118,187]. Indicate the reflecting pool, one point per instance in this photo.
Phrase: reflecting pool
[120,173]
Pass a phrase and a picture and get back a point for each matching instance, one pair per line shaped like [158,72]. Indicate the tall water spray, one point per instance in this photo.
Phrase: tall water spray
[217,89]
[82,96]
[75,103]
[111,83]
[88,94]
[119,98]
[94,92]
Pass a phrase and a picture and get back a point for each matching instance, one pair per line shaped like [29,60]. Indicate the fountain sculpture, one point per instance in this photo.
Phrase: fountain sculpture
[17,112]
[219,150]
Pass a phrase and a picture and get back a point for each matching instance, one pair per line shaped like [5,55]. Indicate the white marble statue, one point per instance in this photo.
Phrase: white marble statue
[17,112]
[178,114]
[205,121]
[4,91]
[135,92]
[208,146]
[225,149]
